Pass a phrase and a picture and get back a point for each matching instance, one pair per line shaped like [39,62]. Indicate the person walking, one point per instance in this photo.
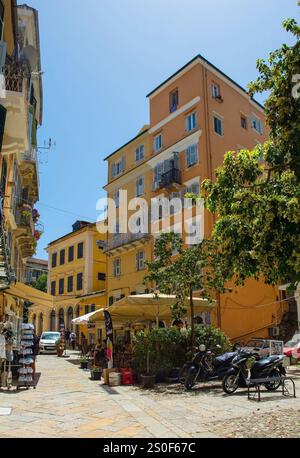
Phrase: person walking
[67,337]
[73,340]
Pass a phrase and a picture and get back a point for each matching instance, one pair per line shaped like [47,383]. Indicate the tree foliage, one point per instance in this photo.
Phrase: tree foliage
[256,193]
[180,271]
[41,283]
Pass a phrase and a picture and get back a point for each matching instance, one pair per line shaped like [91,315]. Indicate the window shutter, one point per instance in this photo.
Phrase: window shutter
[2,122]
[123,164]
[113,170]
[137,261]
[3,50]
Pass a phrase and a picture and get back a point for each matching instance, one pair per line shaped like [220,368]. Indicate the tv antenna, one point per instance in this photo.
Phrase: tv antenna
[49,145]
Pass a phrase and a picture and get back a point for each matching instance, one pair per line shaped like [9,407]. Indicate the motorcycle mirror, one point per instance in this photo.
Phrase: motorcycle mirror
[202,347]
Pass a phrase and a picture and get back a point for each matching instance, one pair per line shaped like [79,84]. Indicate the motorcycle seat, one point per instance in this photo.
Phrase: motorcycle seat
[266,361]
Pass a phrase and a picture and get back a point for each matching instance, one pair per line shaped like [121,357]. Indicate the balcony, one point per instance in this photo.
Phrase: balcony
[24,221]
[123,242]
[28,163]
[170,180]
[15,100]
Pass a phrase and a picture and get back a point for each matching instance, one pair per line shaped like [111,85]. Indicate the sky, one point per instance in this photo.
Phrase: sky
[100,59]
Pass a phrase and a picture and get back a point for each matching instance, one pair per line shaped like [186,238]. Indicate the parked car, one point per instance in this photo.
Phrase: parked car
[48,342]
[292,348]
[261,347]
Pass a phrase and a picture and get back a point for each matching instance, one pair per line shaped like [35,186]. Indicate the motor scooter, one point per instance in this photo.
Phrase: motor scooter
[206,367]
[246,366]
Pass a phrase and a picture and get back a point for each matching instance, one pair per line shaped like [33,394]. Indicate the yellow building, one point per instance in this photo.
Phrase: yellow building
[196,116]
[21,104]
[76,279]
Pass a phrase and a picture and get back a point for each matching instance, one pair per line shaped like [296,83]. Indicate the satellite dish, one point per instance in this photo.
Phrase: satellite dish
[30,55]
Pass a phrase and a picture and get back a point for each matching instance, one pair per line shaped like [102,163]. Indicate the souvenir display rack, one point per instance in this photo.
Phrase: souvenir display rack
[26,358]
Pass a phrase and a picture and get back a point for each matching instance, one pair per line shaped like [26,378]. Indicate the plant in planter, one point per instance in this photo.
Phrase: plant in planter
[83,363]
[96,373]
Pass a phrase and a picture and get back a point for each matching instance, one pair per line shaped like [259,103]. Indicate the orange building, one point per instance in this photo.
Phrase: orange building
[196,116]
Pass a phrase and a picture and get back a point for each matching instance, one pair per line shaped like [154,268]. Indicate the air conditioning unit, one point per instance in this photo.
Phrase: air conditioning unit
[274,331]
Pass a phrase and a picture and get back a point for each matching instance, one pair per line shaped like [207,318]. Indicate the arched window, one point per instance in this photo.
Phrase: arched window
[53,321]
[70,315]
[61,319]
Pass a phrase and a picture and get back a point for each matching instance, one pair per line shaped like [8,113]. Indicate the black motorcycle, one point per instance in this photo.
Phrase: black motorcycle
[237,375]
[206,367]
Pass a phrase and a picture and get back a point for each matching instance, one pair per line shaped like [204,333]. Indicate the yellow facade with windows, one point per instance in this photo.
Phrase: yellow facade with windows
[21,106]
[76,280]
[196,116]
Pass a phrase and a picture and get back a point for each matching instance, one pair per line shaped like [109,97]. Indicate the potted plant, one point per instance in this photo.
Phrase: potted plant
[149,377]
[83,363]
[96,373]
[59,349]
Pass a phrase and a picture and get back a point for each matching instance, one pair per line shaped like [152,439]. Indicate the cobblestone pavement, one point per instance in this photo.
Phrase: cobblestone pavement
[66,403]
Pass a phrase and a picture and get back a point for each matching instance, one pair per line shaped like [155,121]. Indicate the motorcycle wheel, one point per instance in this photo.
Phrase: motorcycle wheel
[183,373]
[189,382]
[230,383]
[273,386]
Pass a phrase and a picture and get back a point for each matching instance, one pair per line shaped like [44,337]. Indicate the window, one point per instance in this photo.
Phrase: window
[71,254]
[53,288]
[117,267]
[140,186]
[190,122]
[157,143]
[61,286]
[70,284]
[256,123]
[140,258]
[1,19]
[80,250]
[192,155]
[86,309]
[79,281]
[101,276]
[118,167]
[215,91]
[173,100]
[54,260]
[139,153]
[244,122]
[62,257]
[93,307]
[117,198]
[218,125]
[193,188]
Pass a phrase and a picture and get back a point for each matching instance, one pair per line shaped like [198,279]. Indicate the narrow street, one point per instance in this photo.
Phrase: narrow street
[66,403]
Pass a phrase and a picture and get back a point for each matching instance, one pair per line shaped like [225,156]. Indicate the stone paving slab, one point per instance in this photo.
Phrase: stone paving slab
[67,403]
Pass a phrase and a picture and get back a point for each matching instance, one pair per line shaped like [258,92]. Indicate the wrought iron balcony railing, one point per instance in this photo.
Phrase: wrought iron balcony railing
[119,240]
[30,155]
[16,78]
[172,176]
